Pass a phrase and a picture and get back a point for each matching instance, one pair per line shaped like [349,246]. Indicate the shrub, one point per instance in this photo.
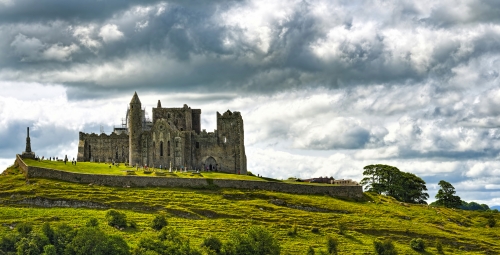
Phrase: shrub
[159,222]
[212,243]
[331,245]
[132,224]
[24,229]
[417,244]
[342,228]
[491,222]
[256,241]
[32,244]
[49,250]
[439,247]
[315,230]
[384,248]
[48,232]
[293,231]
[310,251]
[8,243]
[92,222]
[94,241]
[116,219]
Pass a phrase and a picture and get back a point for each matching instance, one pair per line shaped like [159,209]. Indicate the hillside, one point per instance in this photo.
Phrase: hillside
[199,213]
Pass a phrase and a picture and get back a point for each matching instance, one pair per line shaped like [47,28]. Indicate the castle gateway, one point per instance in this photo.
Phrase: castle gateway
[173,138]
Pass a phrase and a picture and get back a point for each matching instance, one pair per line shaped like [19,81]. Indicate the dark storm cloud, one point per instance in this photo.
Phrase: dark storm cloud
[181,46]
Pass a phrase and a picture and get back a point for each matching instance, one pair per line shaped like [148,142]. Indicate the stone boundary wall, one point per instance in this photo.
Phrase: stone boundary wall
[169,182]
[19,162]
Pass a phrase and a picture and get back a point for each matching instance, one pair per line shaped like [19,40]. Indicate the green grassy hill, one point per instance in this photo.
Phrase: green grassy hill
[199,213]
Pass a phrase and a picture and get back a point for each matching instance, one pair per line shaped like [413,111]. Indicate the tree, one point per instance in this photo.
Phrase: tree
[256,241]
[159,222]
[389,180]
[445,196]
[91,240]
[116,219]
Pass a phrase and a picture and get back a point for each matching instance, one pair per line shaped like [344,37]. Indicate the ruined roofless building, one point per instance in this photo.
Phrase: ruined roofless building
[174,137]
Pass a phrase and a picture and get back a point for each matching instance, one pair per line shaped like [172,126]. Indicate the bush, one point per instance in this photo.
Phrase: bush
[24,229]
[32,244]
[331,245]
[439,247]
[342,228]
[94,241]
[293,231]
[491,222]
[116,219]
[212,243]
[159,222]
[417,244]
[256,241]
[384,248]
[49,250]
[8,243]
[310,251]
[315,230]
[132,224]
[92,222]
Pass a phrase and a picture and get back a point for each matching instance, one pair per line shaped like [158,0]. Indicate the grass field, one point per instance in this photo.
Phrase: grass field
[198,213]
[103,168]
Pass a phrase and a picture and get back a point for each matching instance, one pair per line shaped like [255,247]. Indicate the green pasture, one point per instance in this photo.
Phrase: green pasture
[199,213]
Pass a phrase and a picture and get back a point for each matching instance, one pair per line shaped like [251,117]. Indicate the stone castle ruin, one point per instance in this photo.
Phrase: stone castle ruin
[173,139]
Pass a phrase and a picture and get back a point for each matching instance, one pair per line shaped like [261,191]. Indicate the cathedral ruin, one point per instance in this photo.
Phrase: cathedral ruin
[172,139]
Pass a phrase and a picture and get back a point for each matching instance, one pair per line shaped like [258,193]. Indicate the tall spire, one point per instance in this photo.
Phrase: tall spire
[28,142]
[28,153]
[159,104]
[135,99]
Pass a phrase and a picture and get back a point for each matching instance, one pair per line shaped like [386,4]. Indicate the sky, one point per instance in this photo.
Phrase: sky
[324,87]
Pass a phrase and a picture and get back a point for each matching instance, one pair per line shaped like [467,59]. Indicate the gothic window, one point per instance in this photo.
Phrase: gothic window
[177,144]
[168,115]
[90,152]
[168,148]
[197,145]
[161,149]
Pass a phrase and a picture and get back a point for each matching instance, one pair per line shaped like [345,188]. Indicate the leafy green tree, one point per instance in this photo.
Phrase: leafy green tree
[48,232]
[8,243]
[63,235]
[256,241]
[94,241]
[389,180]
[159,222]
[446,195]
[384,248]
[32,244]
[417,244]
[49,250]
[116,218]
[212,243]
[24,229]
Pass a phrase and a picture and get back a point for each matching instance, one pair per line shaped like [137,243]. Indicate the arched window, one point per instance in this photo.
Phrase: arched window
[90,153]
[168,148]
[161,149]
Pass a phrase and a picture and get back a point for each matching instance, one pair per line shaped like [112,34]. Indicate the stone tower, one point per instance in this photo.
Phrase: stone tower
[135,130]
[28,153]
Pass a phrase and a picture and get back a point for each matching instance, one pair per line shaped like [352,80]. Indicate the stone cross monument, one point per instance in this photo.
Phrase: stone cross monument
[28,153]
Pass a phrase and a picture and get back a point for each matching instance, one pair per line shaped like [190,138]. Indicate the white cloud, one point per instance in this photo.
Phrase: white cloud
[110,33]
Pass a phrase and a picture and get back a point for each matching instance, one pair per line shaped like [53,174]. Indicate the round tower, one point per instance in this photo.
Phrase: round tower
[135,130]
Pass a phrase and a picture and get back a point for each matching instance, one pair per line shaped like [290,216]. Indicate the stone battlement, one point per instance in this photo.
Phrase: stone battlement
[168,182]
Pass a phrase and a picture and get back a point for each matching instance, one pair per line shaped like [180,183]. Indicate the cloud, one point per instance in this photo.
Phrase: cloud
[110,33]
[325,87]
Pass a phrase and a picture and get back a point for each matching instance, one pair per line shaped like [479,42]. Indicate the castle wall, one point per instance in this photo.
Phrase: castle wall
[103,148]
[145,181]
